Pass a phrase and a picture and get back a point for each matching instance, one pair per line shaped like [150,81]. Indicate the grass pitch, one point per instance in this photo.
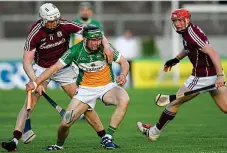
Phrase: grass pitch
[199,127]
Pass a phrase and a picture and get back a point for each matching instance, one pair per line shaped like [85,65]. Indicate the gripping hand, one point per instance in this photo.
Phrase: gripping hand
[168,65]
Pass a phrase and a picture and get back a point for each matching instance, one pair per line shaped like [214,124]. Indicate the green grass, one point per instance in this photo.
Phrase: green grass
[199,127]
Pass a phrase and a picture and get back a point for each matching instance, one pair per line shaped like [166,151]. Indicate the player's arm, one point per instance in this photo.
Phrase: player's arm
[121,79]
[49,72]
[124,66]
[207,49]
[27,64]
[215,58]
[29,53]
[118,58]
[108,54]
[182,54]
[65,59]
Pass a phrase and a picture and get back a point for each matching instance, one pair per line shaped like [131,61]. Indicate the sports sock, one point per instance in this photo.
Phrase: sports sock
[17,135]
[101,133]
[111,130]
[165,118]
[15,140]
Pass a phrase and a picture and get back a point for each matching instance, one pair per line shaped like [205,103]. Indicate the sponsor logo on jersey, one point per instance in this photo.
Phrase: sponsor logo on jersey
[92,67]
[48,46]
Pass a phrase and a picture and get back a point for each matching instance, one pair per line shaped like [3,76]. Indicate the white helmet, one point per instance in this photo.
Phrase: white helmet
[49,12]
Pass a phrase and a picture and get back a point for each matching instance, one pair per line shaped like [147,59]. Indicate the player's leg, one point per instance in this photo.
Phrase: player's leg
[29,135]
[220,97]
[91,115]
[67,78]
[167,115]
[73,112]
[119,97]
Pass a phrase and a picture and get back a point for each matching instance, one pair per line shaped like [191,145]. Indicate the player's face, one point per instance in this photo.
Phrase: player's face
[85,12]
[93,44]
[179,24]
[52,24]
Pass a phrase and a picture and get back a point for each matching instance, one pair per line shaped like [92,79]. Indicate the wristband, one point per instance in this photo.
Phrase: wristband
[220,75]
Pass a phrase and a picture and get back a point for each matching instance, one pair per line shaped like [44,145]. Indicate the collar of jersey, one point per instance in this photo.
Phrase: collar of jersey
[86,22]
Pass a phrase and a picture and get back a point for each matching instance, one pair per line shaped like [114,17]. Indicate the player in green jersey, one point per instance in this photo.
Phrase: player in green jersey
[86,12]
[95,80]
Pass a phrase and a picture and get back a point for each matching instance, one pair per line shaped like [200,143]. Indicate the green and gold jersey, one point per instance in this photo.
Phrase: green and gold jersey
[75,37]
[94,71]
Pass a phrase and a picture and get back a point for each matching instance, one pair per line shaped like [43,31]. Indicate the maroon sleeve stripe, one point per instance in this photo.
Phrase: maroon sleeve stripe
[31,35]
[195,37]
[72,23]
[37,27]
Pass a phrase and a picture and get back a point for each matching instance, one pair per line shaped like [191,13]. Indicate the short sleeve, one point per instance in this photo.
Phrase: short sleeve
[198,36]
[68,56]
[117,55]
[32,39]
[72,27]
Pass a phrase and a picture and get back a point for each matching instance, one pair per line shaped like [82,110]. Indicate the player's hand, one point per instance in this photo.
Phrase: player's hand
[121,79]
[108,55]
[168,65]
[220,81]
[30,86]
[39,89]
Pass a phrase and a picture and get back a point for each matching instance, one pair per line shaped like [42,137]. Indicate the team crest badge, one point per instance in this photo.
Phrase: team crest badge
[59,34]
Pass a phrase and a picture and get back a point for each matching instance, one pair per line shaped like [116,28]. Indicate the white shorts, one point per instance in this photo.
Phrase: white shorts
[63,77]
[89,95]
[194,83]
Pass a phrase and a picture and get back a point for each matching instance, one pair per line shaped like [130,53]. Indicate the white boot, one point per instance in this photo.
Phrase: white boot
[151,132]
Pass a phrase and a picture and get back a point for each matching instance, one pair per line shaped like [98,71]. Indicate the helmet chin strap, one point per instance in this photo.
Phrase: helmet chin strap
[86,46]
[187,22]
[44,22]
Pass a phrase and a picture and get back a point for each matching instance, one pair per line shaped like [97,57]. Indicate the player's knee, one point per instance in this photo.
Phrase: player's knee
[124,101]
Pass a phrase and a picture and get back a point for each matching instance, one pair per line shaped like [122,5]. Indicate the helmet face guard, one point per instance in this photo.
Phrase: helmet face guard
[180,19]
[50,16]
[93,37]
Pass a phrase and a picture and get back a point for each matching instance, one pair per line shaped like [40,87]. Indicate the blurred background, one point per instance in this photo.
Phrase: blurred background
[140,30]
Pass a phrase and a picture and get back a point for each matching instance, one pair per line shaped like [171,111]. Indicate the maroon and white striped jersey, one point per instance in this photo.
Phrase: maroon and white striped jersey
[49,46]
[194,39]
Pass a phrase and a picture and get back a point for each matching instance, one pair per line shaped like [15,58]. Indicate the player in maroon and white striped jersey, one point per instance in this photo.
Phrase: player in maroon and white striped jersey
[46,42]
[207,70]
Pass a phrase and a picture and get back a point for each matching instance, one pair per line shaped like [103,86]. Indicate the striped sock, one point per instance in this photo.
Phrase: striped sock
[111,130]
[165,118]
